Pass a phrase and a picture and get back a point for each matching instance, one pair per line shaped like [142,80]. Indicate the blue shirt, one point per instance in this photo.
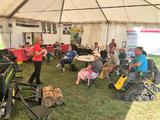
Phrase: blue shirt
[71,54]
[144,65]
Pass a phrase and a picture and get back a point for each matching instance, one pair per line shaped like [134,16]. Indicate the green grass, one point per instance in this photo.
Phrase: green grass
[84,104]
[156,59]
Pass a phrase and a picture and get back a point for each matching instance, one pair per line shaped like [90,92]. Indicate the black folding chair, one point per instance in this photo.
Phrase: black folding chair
[38,112]
[91,82]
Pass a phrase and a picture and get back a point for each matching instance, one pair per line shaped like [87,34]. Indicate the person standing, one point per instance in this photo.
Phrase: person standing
[38,52]
[112,45]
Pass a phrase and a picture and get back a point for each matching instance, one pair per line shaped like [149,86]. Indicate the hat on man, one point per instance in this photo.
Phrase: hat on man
[97,54]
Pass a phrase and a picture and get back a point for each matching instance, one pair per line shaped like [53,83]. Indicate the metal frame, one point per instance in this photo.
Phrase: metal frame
[61,12]
[152,4]
[79,9]
[127,6]
[17,8]
[107,37]
[102,11]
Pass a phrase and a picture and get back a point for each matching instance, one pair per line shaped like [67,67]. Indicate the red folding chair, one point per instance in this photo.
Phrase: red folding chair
[64,48]
[50,48]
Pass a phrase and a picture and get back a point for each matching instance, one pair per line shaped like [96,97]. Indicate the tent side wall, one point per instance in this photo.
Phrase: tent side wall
[4,34]
[17,31]
[101,33]
[17,38]
[94,33]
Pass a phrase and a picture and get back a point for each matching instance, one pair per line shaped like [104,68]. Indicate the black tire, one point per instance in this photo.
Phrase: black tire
[111,86]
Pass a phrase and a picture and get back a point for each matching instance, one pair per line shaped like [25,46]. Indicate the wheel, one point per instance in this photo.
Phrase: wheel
[111,86]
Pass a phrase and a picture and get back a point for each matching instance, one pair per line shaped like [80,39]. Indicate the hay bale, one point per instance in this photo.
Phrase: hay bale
[48,96]
[58,97]
[51,96]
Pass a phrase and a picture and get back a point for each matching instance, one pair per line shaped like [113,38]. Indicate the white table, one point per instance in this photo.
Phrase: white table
[85,58]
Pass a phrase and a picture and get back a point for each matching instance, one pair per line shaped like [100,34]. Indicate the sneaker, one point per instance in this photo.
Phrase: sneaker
[58,65]
[63,69]
[75,84]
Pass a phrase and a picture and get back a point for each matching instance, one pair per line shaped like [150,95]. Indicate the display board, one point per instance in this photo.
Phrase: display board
[132,37]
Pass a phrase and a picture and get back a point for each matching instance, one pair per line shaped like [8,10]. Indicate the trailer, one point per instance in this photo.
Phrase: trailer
[7,89]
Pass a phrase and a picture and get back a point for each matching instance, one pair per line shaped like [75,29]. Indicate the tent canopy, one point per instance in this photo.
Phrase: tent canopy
[139,11]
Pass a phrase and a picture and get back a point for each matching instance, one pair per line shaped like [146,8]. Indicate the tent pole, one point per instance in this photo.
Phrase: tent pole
[93,8]
[17,8]
[106,21]
[102,11]
[88,22]
[60,19]
[59,27]
[10,40]
[59,24]
[107,37]
[151,4]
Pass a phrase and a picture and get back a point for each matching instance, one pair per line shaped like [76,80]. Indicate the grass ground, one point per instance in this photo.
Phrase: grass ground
[83,104]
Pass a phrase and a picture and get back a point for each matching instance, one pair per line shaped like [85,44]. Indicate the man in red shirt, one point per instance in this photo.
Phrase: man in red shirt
[38,52]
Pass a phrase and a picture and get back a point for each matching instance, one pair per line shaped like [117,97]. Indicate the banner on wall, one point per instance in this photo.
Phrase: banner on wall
[29,38]
[67,28]
[149,39]
[132,38]
[48,28]
[54,28]
[26,23]
[9,26]
[43,24]
[76,34]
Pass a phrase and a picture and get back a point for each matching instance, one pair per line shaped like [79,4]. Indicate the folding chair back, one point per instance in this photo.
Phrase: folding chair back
[92,81]
[38,112]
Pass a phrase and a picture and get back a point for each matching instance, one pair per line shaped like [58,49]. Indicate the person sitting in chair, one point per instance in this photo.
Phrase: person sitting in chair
[92,71]
[112,45]
[104,54]
[96,48]
[68,58]
[109,65]
[138,67]
[57,48]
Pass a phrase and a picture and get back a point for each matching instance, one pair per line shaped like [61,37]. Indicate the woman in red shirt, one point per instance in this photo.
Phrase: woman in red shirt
[37,59]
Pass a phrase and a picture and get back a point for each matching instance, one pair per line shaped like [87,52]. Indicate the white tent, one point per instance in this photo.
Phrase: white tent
[115,16]
[141,11]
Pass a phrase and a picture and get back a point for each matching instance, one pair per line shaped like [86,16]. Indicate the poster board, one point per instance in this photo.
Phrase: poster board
[132,38]
[43,25]
[76,34]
